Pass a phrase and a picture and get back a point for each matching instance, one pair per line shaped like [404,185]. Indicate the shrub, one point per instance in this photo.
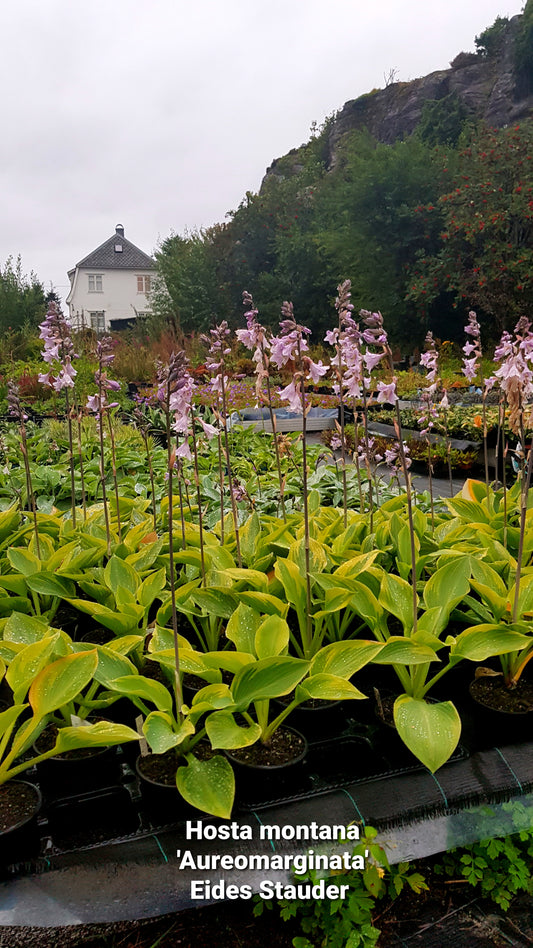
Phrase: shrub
[489,42]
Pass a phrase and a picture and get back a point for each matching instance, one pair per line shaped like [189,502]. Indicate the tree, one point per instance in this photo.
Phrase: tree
[22,299]
[523,52]
[489,42]
[484,259]
[442,120]
[367,225]
[186,292]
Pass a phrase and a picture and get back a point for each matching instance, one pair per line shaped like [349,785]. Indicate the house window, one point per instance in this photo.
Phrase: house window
[98,321]
[144,284]
[95,283]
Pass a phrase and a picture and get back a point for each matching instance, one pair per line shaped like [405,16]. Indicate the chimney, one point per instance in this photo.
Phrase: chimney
[119,229]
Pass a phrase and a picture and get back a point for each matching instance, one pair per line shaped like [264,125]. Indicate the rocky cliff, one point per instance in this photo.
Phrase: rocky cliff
[484,85]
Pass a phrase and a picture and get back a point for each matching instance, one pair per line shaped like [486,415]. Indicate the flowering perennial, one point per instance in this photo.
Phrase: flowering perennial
[473,348]
[291,346]
[430,360]
[515,373]
[58,349]
[105,355]
[254,337]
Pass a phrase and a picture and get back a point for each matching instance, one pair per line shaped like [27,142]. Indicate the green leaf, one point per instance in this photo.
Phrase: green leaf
[48,584]
[228,660]
[487,575]
[525,596]
[272,637]
[9,603]
[164,639]
[335,599]
[112,665]
[496,603]
[208,785]
[268,678]
[9,522]
[212,697]
[327,688]
[471,511]
[23,561]
[102,734]
[480,642]
[430,731]
[151,588]
[344,659]
[318,560]
[252,577]
[403,540]
[125,644]
[356,565]
[448,585]
[400,650]
[161,733]
[119,573]
[8,717]
[250,533]
[120,624]
[61,682]
[365,604]
[14,583]
[215,602]
[293,582]
[396,596]
[225,733]
[27,664]
[146,556]
[265,603]
[146,688]
[433,621]
[25,629]
[242,627]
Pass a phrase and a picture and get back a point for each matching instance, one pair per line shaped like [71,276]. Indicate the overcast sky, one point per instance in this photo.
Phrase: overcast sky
[161,114]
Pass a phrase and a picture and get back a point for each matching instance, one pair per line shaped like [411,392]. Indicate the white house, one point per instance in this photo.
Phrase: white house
[109,287]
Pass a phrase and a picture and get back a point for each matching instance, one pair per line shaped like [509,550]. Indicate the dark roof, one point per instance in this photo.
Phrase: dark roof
[105,257]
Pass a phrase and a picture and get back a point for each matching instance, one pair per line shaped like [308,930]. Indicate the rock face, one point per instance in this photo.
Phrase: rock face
[484,84]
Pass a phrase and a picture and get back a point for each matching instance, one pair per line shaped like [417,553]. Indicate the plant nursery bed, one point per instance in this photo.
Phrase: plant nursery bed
[105,843]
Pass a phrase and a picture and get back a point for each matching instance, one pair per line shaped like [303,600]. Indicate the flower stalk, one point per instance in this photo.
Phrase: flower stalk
[254,337]
[16,411]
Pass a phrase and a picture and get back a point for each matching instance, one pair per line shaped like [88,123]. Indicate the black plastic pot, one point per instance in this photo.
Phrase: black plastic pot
[162,801]
[316,720]
[77,771]
[258,783]
[502,727]
[89,818]
[19,840]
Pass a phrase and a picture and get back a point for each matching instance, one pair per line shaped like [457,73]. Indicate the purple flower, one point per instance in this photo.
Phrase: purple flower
[93,403]
[315,369]
[58,348]
[387,392]
[291,394]
[175,389]
[13,402]
[473,328]
[471,366]
[372,359]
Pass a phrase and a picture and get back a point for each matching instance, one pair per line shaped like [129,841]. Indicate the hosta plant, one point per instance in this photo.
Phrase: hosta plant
[42,684]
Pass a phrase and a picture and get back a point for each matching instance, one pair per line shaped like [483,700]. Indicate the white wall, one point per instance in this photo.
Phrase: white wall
[118,298]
